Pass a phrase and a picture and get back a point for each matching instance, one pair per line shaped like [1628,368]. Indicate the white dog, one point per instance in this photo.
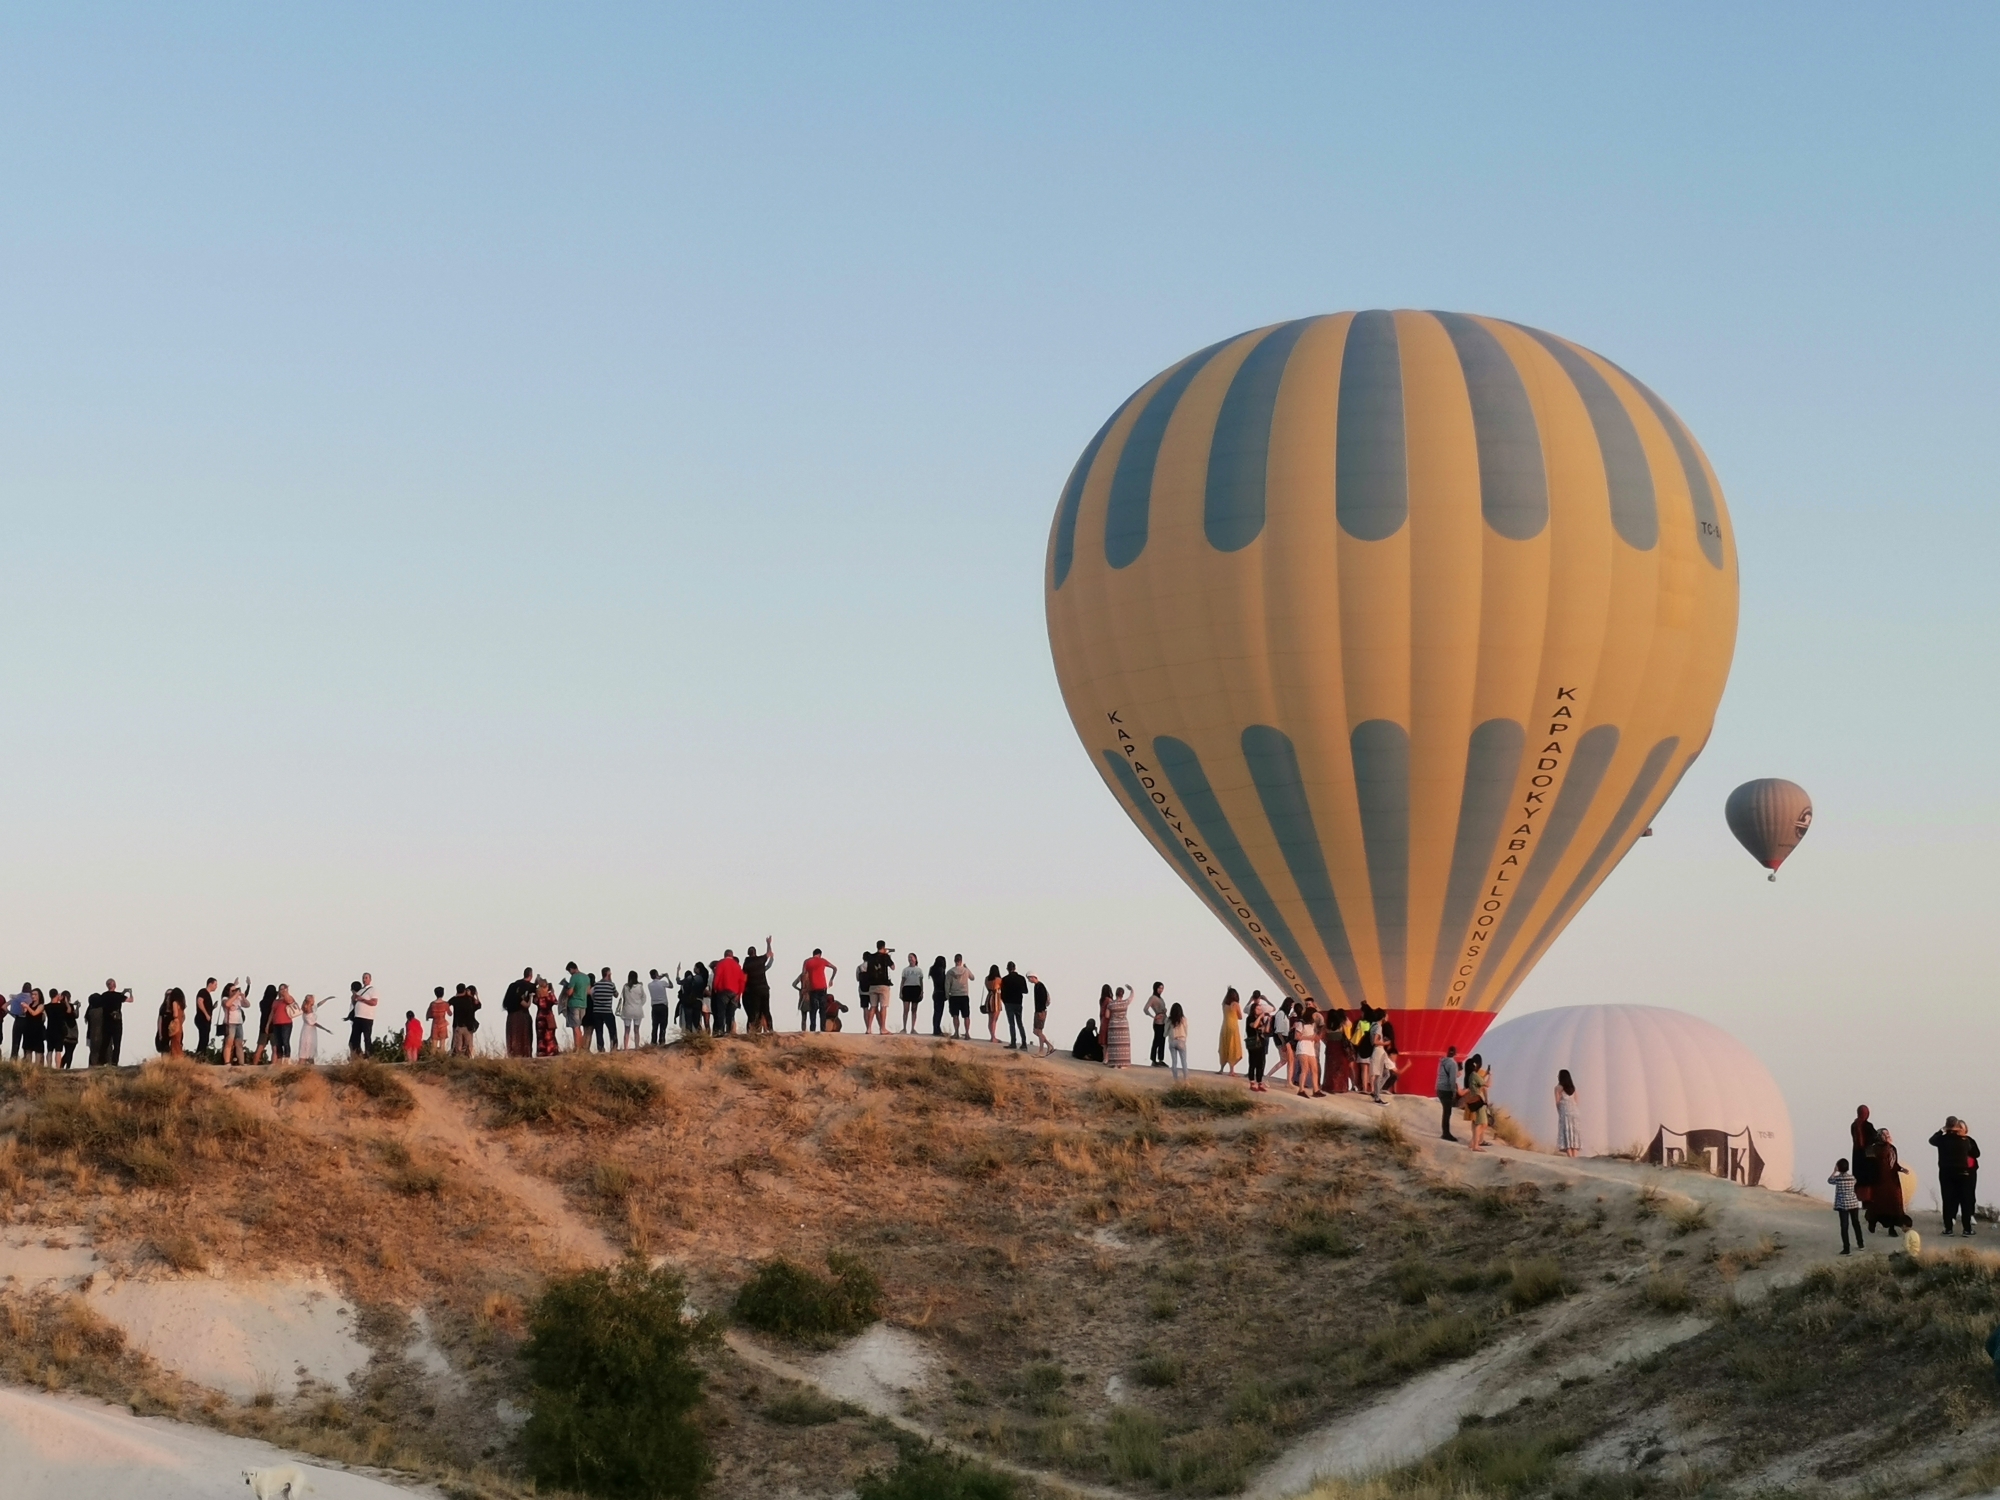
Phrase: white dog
[284,1483]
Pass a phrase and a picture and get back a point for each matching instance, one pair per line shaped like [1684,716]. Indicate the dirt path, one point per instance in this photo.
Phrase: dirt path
[440,1122]
[889,1411]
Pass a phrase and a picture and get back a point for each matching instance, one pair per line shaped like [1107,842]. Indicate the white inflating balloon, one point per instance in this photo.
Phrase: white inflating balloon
[1638,1069]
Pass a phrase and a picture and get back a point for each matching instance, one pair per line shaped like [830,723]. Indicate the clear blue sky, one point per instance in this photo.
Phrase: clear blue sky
[493,485]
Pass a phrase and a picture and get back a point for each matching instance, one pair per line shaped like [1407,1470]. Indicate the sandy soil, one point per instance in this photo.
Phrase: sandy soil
[68,1448]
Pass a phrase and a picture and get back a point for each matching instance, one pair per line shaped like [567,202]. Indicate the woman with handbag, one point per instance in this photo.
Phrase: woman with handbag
[1478,1112]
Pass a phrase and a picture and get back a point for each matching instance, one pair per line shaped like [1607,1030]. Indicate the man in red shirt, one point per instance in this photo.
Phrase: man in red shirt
[818,977]
[726,981]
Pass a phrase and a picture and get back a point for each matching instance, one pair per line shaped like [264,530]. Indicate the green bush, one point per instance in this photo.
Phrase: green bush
[784,1298]
[931,1474]
[610,1358]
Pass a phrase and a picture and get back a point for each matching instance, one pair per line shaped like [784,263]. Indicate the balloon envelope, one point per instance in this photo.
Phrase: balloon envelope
[1392,631]
[1641,1070]
[1769,817]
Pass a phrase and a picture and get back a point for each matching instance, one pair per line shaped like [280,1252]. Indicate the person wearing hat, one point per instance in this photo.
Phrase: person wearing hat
[1958,1172]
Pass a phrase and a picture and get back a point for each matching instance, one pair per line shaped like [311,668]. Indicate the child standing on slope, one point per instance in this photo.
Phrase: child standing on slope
[413,1036]
[1846,1205]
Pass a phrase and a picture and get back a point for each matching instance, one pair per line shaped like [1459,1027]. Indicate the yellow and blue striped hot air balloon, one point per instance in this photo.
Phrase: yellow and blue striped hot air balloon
[1392,631]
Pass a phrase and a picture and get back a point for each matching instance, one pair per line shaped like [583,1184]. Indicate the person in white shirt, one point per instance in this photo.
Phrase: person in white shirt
[912,989]
[958,996]
[632,1007]
[661,993]
[1156,1012]
[361,1033]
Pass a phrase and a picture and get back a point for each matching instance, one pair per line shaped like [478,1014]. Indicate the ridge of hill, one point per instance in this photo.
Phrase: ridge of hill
[1094,1281]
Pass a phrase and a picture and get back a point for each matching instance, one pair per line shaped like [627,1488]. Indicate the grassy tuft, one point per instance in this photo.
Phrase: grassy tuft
[1687,1218]
[375,1079]
[785,1299]
[1215,1101]
[803,1407]
[145,1126]
[1667,1292]
[1530,1283]
[570,1090]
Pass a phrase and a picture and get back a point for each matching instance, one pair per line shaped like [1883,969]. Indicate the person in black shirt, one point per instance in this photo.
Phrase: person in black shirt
[938,971]
[105,1021]
[464,1020]
[1958,1172]
[1013,990]
[757,988]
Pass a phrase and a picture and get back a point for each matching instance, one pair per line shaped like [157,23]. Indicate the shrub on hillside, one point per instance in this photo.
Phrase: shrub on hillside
[610,1358]
[784,1298]
[142,1124]
[931,1474]
[1215,1101]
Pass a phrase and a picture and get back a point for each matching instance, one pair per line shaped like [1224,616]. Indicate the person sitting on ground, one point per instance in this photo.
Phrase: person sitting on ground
[835,1009]
[1089,1047]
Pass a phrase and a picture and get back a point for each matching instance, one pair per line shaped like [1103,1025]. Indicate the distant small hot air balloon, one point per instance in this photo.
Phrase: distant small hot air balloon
[1769,817]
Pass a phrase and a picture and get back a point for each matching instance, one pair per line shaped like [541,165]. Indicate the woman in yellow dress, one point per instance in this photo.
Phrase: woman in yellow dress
[1230,1048]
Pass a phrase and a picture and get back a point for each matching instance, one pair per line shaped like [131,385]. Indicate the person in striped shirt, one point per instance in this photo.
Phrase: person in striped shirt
[1846,1205]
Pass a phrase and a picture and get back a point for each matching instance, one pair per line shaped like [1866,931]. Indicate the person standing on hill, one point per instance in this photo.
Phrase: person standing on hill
[1862,1135]
[1476,1100]
[365,1002]
[604,1012]
[548,1036]
[660,993]
[204,1015]
[912,987]
[694,999]
[438,1013]
[1177,1032]
[1156,1012]
[309,1030]
[1014,990]
[757,987]
[1846,1207]
[990,1006]
[725,981]
[939,970]
[1229,1046]
[816,980]
[1958,1172]
[464,1020]
[515,1002]
[284,1016]
[958,990]
[232,1023]
[413,1037]
[110,1032]
[1257,1040]
[1042,1016]
[17,1007]
[576,1004]
[1569,1128]
[61,1024]
[880,967]
[1885,1204]
[1447,1089]
[632,1008]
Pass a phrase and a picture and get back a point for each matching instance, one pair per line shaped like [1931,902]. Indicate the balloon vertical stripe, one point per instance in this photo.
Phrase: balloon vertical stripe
[1239,453]
[1381,752]
[1129,514]
[1513,479]
[1627,474]
[1492,762]
[1274,771]
[1551,842]
[1143,809]
[1184,770]
[1371,487]
[1707,510]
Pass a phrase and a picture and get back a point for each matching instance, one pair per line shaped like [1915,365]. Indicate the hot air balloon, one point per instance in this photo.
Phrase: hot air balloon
[1769,817]
[1661,1083]
[1392,631]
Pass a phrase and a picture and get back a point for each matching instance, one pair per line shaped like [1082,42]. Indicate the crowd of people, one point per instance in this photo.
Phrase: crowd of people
[1868,1186]
[1310,1050]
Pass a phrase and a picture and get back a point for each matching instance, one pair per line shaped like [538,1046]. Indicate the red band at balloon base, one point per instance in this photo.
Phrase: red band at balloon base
[1422,1036]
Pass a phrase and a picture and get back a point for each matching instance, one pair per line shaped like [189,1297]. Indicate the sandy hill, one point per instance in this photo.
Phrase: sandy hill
[1093,1282]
